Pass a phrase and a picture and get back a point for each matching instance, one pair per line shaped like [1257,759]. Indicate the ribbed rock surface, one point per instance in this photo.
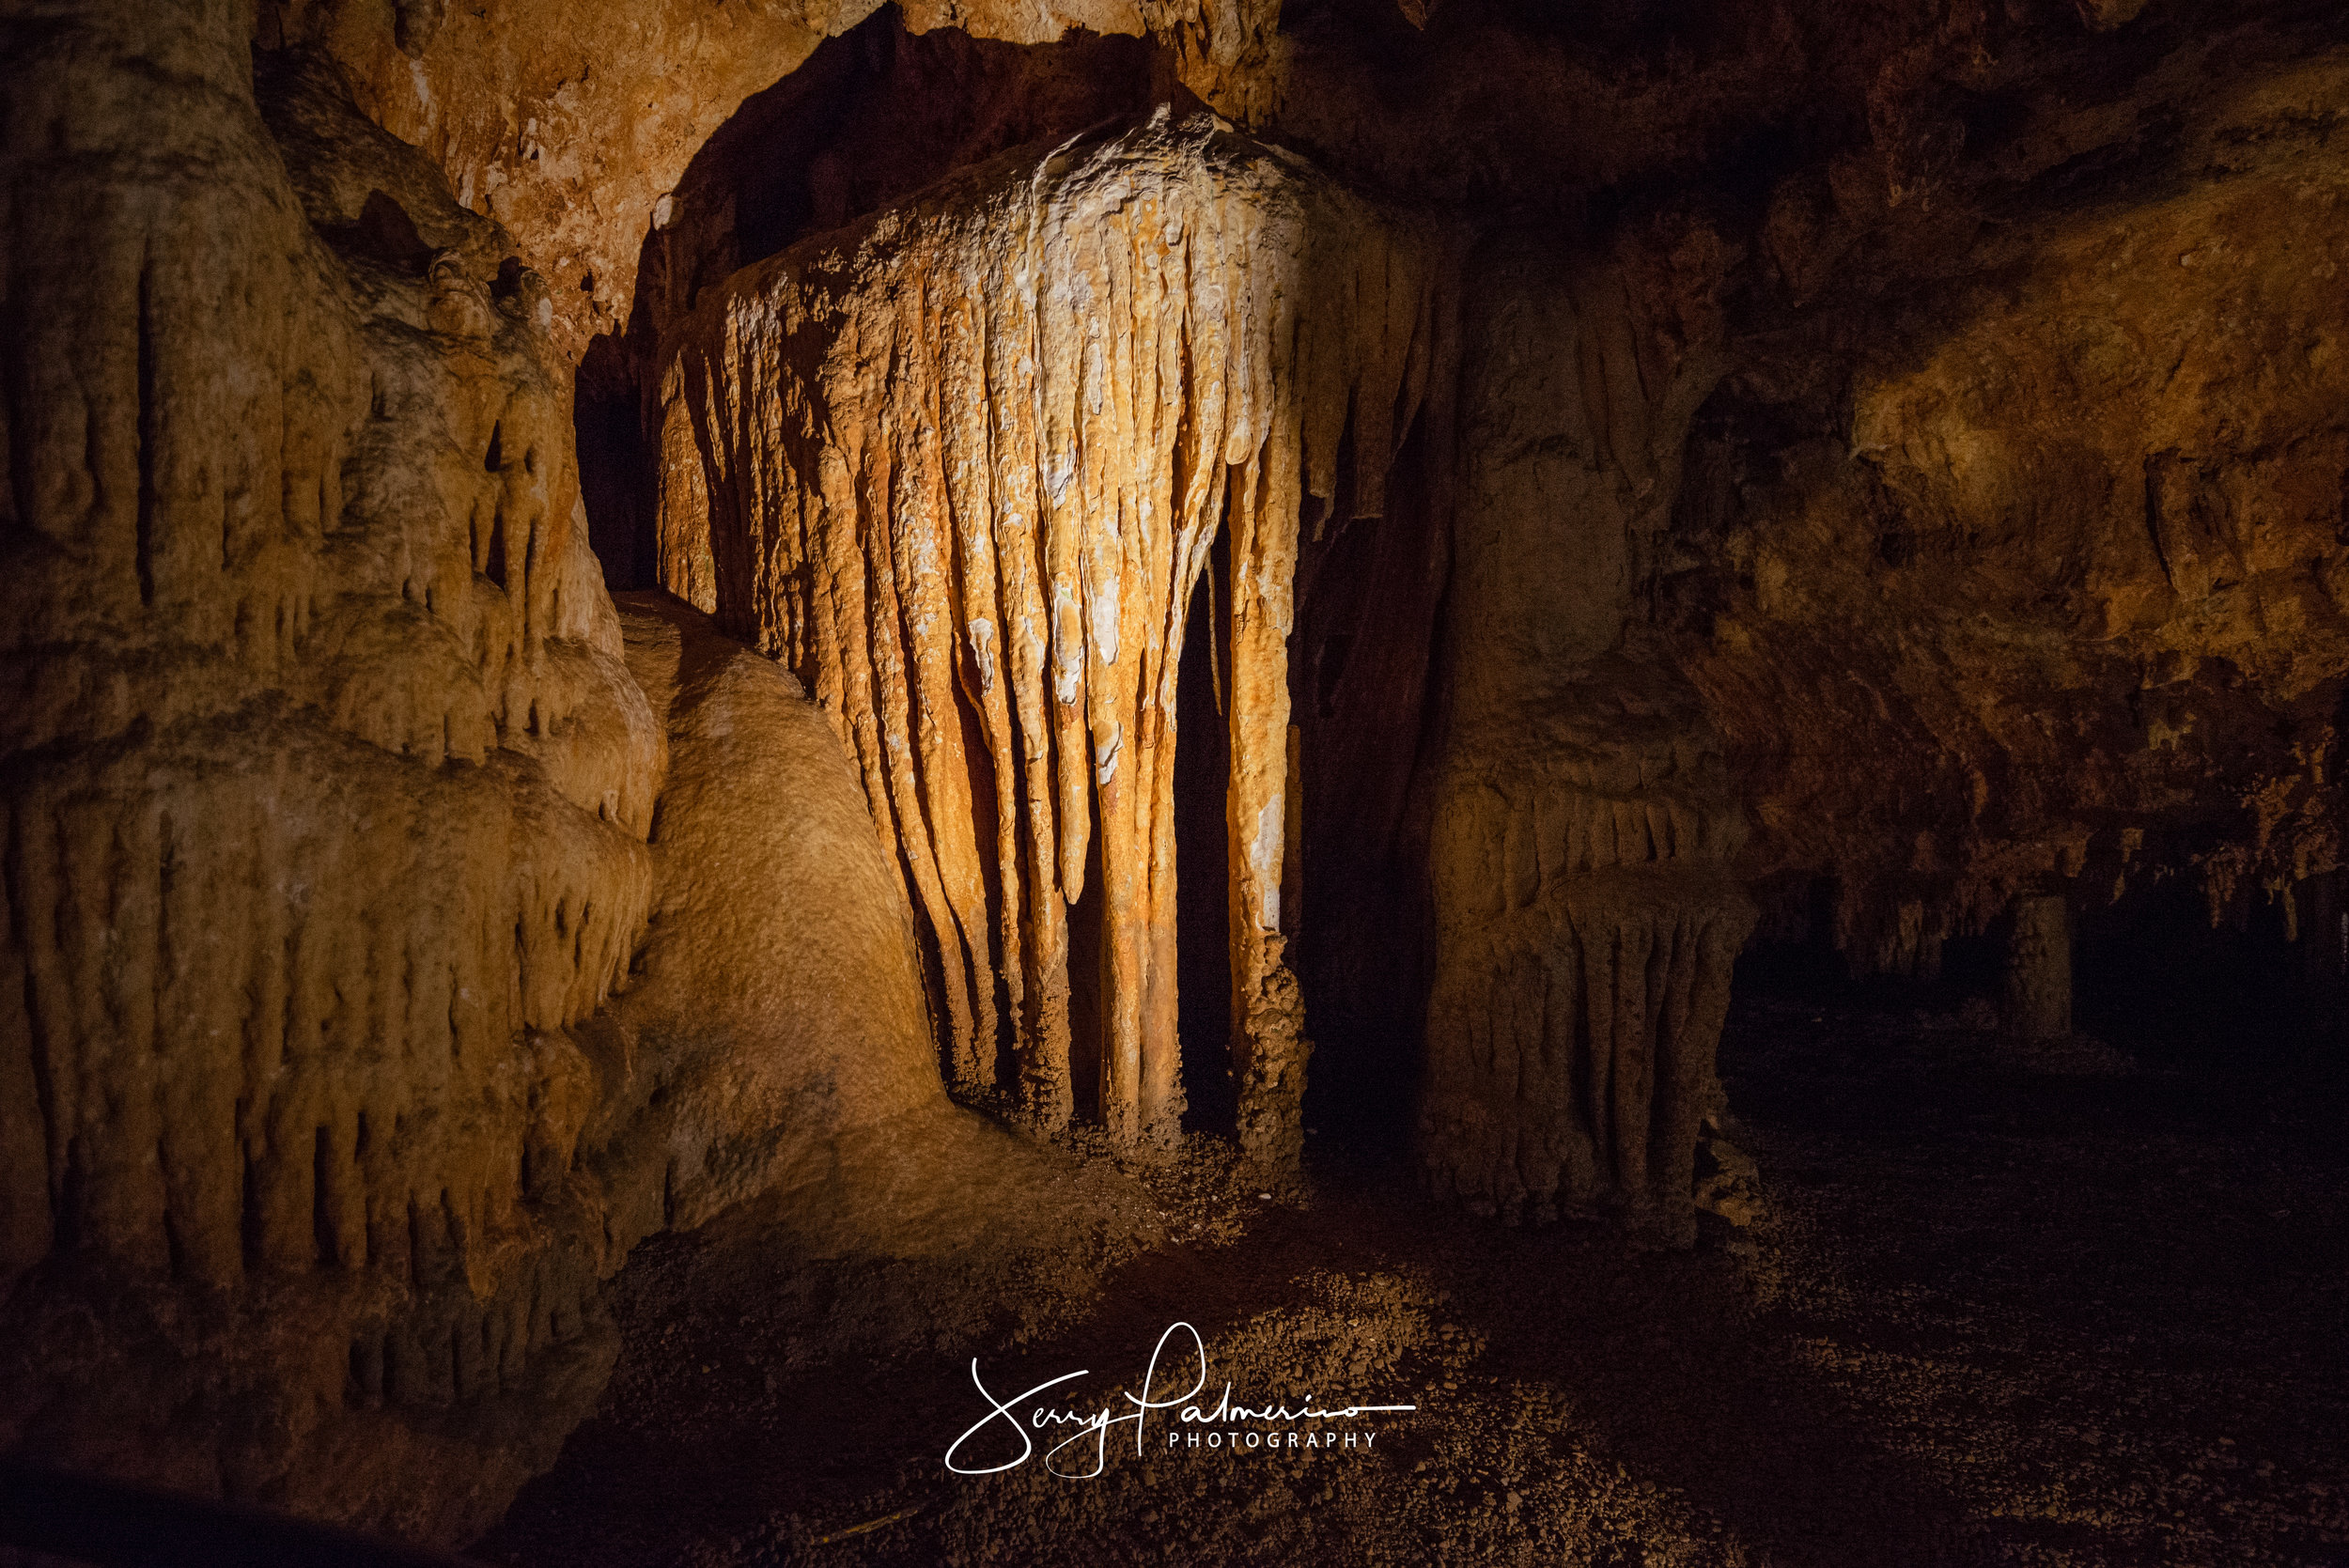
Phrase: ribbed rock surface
[325,807]
[1585,915]
[325,800]
[960,467]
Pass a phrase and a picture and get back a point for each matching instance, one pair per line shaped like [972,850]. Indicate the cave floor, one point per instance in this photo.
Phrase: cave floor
[2008,1305]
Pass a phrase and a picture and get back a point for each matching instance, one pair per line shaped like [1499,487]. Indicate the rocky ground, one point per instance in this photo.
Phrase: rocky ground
[2006,1305]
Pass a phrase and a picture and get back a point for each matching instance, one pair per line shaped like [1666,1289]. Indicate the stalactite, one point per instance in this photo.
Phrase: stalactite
[302,823]
[960,466]
[1586,919]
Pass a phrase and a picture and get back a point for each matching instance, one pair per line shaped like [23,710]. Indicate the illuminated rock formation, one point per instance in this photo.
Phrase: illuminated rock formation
[1586,916]
[326,811]
[572,123]
[960,466]
[1889,466]
[2032,580]
[327,795]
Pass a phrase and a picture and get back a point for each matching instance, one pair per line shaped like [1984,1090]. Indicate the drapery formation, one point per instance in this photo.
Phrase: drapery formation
[960,467]
[1586,914]
[324,801]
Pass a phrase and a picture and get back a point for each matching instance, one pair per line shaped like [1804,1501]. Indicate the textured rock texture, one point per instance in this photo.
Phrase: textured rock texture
[961,466]
[325,800]
[326,803]
[571,124]
[778,1002]
[1916,428]
[1585,913]
[2015,565]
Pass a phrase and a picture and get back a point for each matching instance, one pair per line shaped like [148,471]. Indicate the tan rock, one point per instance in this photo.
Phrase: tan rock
[960,466]
[1585,914]
[325,806]
[570,123]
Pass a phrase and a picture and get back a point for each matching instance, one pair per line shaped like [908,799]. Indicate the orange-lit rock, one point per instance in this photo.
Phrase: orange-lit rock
[2062,606]
[326,815]
[960,466]
[571,124]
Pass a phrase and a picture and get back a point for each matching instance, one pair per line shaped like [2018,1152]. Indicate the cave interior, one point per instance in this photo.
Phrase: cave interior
[1617,724]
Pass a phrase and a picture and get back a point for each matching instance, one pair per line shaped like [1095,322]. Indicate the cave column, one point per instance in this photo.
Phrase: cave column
[2039,968]
[1269,1043]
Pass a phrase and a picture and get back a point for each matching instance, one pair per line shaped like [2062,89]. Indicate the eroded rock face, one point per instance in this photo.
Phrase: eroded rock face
[394,934]
[1586,915]
[326,800]
[571,124]
[961,466]
[327,803]
[2034,583]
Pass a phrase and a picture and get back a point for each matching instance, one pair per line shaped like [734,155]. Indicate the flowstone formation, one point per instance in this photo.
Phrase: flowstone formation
[961,466]
[329,806]
[326,800]
[1586,915]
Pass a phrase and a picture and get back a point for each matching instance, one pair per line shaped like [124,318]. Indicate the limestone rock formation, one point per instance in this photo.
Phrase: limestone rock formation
[1572,472]
[325,800]
[1585,913]
[571,124]
[326,804]
[2031,579]
[777,1002]
[961,466]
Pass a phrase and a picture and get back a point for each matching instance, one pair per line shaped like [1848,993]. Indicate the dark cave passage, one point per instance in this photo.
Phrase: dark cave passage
[2258,995]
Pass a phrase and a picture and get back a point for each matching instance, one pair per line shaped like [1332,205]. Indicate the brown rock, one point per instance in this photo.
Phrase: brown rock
[1585,917]
[960,466]
[570,124]
[326,808]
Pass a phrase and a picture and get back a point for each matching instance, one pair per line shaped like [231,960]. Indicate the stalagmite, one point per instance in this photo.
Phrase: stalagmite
[960,467]
[2038,1000]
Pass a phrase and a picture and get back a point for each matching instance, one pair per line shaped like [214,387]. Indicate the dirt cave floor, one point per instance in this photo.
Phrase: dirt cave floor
[2006,1305]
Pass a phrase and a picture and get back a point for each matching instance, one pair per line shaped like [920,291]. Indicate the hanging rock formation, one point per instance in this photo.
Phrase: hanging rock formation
[329,806]
[960,466]
[325,800]
[1585,914]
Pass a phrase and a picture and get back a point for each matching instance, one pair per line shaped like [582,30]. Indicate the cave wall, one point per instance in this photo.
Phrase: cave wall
[2025,578]
[326,791]
[1660,454]
[358,902]
[1586,914]
[572,124]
